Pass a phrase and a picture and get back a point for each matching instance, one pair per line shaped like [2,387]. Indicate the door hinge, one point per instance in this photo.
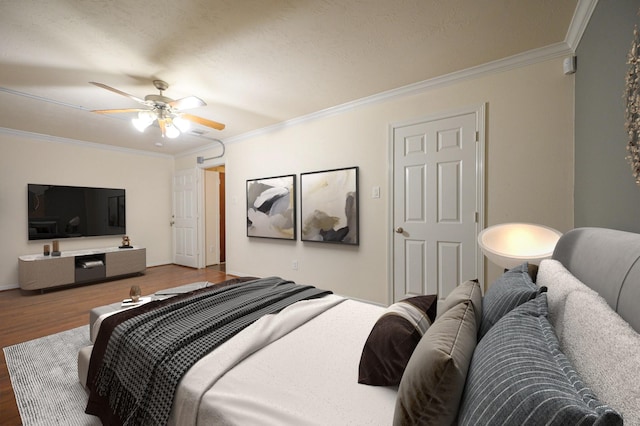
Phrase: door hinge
[475,217]
[477,136]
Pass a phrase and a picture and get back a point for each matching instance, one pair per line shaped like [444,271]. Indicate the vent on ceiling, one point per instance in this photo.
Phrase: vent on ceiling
[198,132]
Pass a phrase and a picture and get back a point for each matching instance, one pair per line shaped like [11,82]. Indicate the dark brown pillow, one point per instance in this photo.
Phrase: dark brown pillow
[393,338]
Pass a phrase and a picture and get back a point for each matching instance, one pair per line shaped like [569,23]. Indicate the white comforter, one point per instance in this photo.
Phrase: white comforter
[296,368]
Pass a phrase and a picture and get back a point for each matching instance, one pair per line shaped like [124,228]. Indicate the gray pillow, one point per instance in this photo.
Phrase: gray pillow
[519,376]
[433,382]
[468,290]
[604,350]
[559,283]
[512,289]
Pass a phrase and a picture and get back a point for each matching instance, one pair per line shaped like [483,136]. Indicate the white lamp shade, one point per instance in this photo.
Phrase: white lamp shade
[182,124]
[511,244]
[172,131]
[140,124]
[144,120]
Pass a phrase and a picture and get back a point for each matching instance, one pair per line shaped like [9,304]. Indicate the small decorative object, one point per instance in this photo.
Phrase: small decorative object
[134,293]
[46,250]
[329,206]
[632,109]
[271,207]
[56,248]
[126,243]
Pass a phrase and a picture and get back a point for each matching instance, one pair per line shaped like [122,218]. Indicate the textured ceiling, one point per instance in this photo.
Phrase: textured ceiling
[255,63]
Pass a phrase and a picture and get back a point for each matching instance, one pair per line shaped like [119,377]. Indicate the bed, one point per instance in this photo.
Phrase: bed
[332,360]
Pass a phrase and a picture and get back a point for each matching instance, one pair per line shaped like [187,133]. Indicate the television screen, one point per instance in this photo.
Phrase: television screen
[56,211]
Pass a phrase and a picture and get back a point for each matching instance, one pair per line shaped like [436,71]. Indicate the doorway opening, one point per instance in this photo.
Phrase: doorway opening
[214,214]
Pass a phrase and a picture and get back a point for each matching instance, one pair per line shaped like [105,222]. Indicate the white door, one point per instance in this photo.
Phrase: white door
[185,218]
[437,203]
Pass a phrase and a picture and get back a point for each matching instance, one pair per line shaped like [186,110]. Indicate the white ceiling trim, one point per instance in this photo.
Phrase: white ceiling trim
[501,65]
[577,27]
[41,99]
[68,141]
[516,61]
[579,22]
[241,69]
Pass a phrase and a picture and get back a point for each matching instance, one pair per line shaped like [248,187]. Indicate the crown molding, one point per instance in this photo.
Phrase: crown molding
[516,61]
[41,98]
[581,17]
[68,141]
[512,62]
[579,22]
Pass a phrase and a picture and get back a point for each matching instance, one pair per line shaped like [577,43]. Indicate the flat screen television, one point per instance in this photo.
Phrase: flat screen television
[56,211]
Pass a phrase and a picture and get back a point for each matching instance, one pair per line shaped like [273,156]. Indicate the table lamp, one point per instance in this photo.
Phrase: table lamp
[511,244]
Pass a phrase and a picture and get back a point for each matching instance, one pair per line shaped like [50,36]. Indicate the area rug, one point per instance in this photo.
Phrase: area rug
[44,377]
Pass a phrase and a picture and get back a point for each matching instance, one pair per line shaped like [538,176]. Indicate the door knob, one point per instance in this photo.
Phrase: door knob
[399,230]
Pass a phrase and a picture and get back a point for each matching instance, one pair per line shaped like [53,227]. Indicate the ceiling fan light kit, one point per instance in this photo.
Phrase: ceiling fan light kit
[144,120]
[166,111]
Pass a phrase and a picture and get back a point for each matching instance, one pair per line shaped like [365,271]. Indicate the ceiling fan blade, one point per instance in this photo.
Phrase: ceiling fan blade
[203,121]
[187,103]
[120,92]
[116,111]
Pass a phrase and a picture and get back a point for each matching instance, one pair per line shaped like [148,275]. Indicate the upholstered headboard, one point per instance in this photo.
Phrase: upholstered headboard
[608,261]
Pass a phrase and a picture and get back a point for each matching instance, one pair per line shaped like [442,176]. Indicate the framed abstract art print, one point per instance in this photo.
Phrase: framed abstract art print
[329,206]
[271,207]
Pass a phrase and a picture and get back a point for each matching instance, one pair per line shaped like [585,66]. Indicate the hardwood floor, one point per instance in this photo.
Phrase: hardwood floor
[29,315]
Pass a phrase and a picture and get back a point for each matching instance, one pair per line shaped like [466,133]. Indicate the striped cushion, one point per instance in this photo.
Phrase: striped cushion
[393,338]
[512,289]
[518,376]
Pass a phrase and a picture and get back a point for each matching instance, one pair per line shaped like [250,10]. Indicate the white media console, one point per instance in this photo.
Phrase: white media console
[37,271]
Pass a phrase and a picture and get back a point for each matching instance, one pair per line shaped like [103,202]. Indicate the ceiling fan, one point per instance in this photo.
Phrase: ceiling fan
[168,112]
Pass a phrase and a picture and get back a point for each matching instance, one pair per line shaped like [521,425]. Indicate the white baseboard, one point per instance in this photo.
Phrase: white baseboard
[238,274]
[8,287]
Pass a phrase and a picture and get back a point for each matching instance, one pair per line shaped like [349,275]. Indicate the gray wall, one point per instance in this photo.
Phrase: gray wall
[605,192]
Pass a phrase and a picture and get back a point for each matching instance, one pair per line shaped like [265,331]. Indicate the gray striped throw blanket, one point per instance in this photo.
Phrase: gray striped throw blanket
[147,354]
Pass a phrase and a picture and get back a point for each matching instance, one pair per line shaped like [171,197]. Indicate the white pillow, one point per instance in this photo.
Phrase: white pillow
[605,352]
[560,283]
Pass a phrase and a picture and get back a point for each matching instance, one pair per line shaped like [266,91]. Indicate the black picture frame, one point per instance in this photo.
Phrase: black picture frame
[329,206]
